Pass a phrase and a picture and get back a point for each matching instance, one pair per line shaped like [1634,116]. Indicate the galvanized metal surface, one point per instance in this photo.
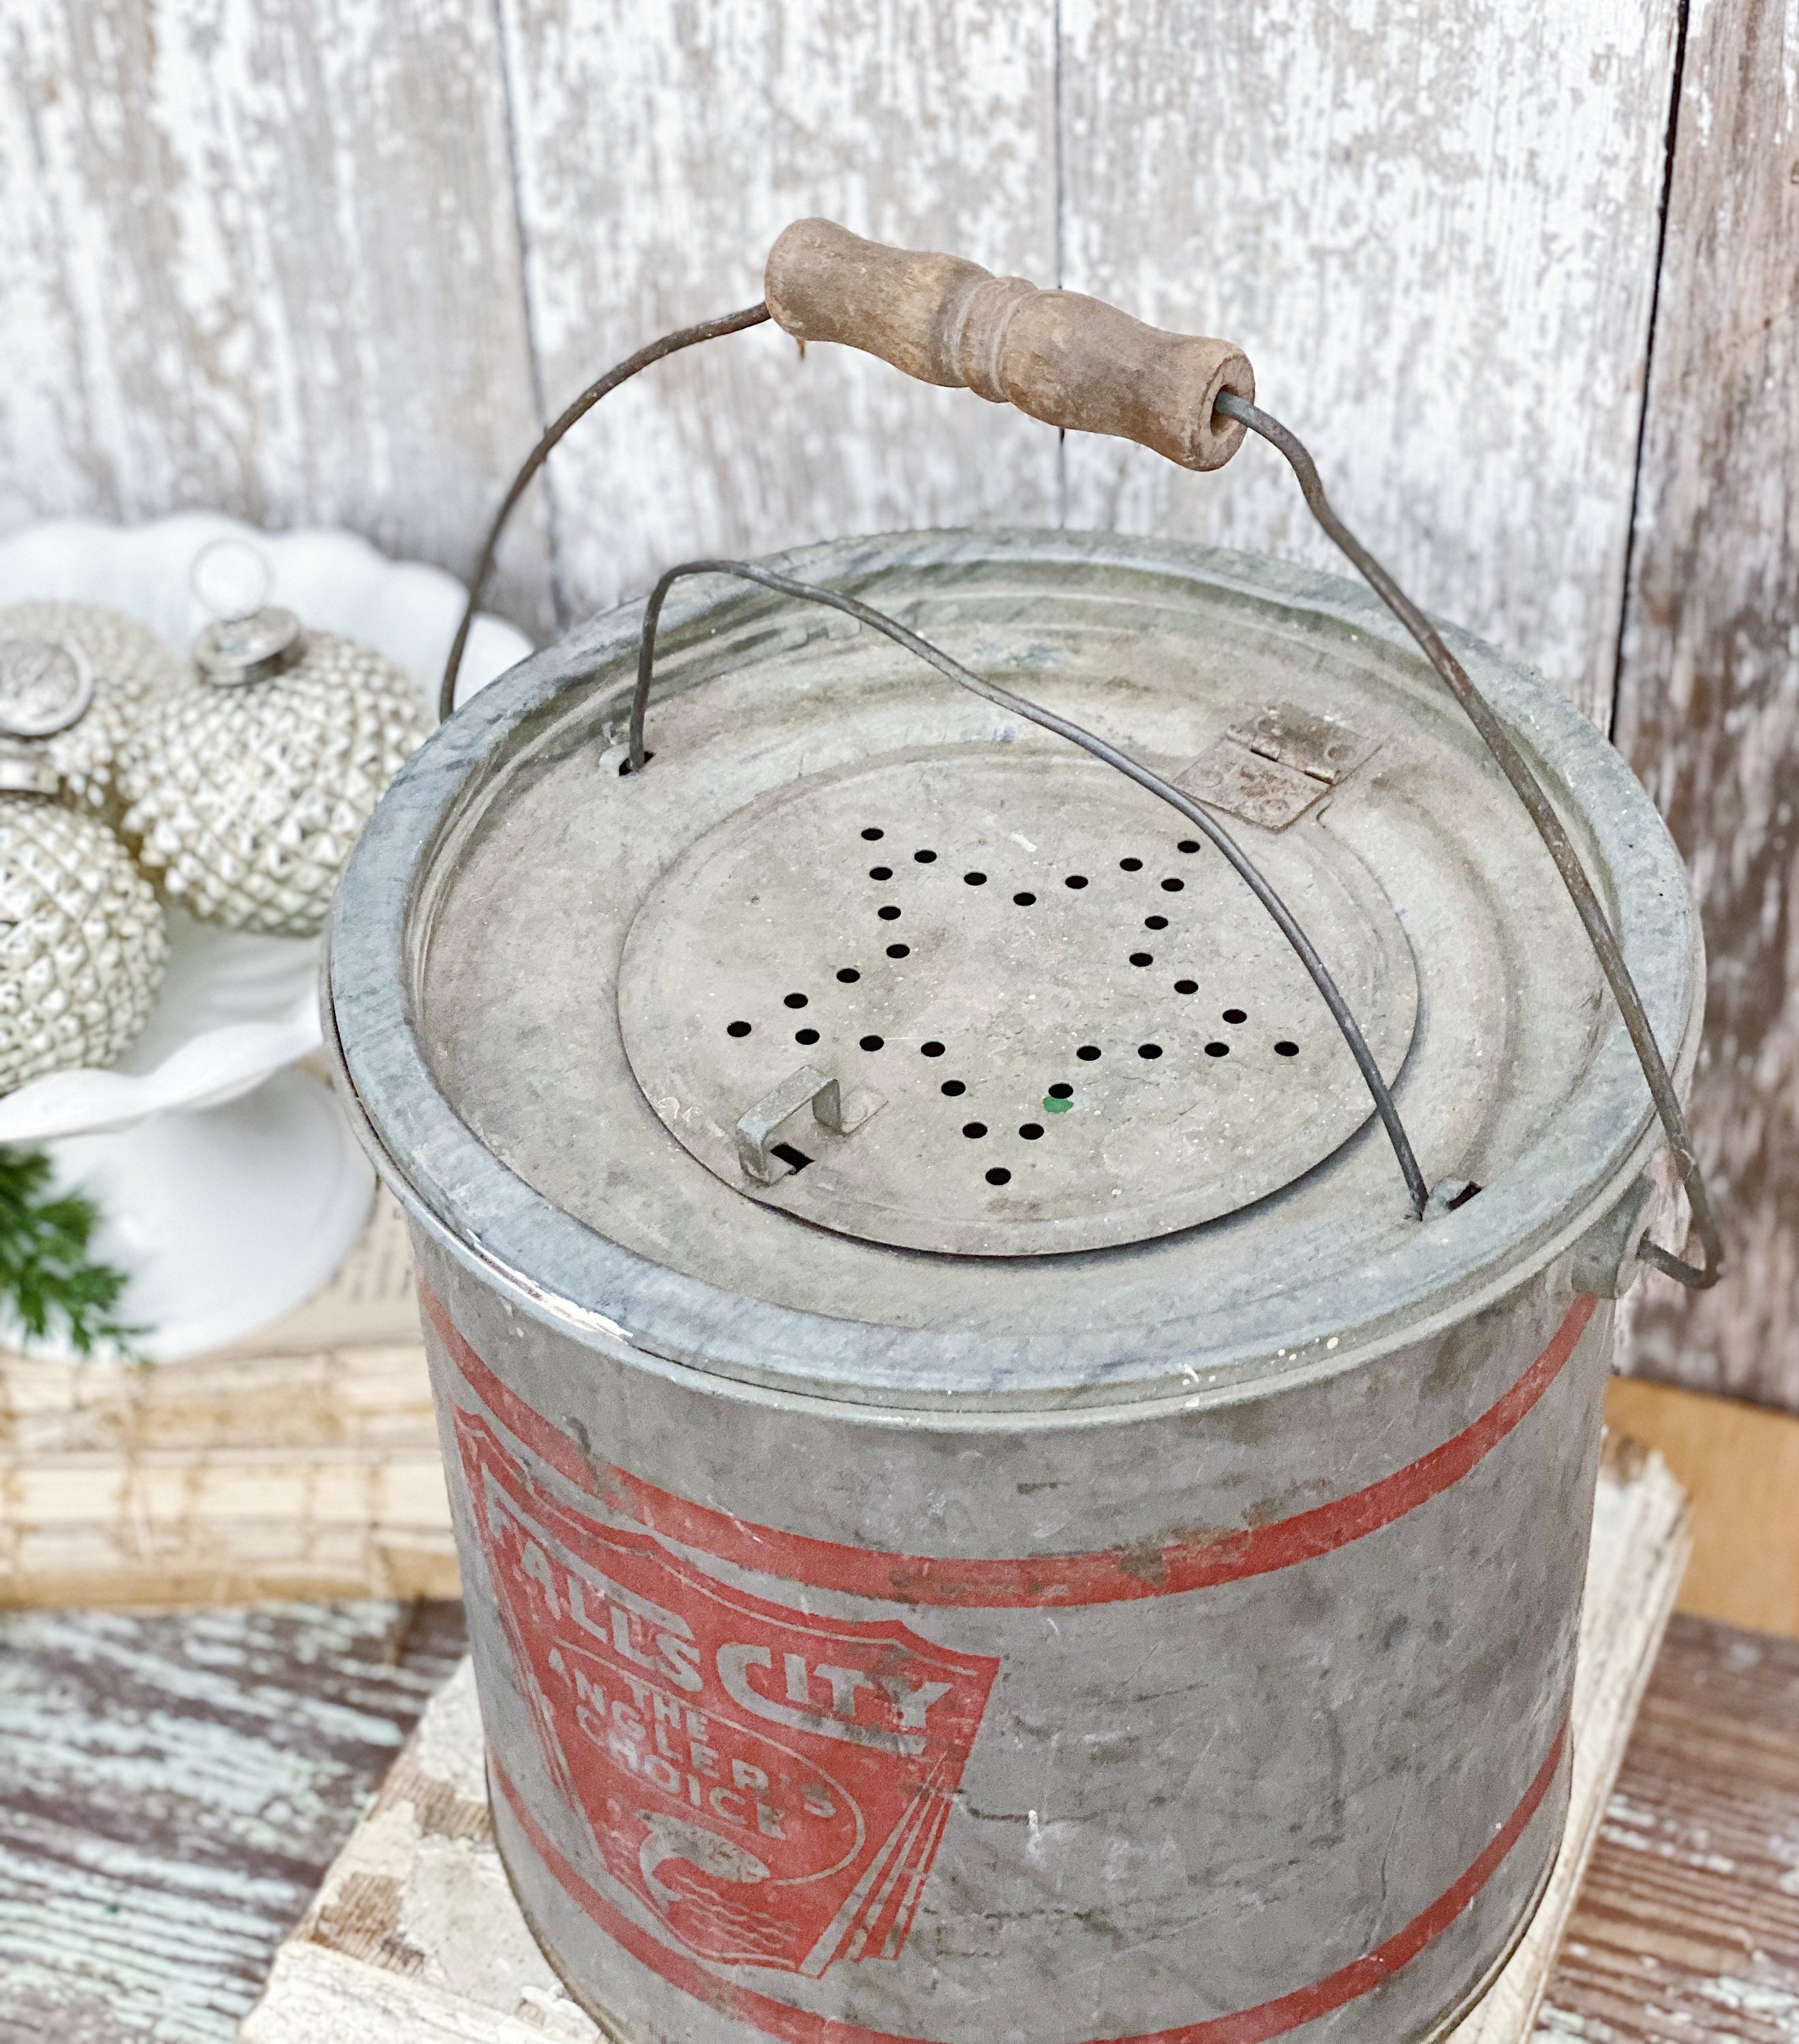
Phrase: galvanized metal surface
[1080,1027]
[1234,1698]
[1170,1639]
[1527,786]
[1270,767]
[502,877]
[1202,821]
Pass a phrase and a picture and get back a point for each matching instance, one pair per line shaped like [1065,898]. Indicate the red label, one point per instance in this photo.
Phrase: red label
[771,1787]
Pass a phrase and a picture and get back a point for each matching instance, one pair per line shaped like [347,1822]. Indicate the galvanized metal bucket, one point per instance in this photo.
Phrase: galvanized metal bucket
[985,1517]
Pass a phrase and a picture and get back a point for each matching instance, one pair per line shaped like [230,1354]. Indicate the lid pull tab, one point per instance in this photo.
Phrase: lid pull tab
[759,1126]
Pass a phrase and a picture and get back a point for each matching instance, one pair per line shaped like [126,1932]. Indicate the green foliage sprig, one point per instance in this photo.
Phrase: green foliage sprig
[45,1275]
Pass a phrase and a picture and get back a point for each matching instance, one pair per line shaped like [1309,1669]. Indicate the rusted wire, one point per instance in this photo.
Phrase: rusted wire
[1530,792]
[1201,818]
[671,344]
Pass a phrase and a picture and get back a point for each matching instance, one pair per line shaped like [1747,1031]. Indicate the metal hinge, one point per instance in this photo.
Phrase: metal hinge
[1271,765]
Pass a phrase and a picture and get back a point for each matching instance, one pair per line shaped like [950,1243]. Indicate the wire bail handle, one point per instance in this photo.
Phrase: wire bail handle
[1083,366]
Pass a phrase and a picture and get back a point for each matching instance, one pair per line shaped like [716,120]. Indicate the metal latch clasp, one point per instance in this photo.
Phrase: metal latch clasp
[757,1128]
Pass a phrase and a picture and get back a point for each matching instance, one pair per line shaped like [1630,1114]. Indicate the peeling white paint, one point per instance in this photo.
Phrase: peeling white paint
[275,259]
[1433,230]
[1768,2004]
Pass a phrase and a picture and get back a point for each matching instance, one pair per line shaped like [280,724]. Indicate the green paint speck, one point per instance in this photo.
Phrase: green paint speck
[1053,1106]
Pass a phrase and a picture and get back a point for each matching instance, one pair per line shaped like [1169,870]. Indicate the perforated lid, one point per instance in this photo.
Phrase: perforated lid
[1041,1018]
[569,998]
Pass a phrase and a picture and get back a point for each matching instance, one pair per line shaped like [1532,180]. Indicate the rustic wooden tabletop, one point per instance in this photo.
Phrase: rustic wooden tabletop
[171,1789]
[1687,1925]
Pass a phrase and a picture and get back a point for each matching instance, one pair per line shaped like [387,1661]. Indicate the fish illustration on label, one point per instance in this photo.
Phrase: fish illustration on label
[772,1785]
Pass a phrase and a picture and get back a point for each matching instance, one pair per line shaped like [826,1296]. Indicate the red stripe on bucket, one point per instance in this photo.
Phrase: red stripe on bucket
[1246,2026]
[1110,1576]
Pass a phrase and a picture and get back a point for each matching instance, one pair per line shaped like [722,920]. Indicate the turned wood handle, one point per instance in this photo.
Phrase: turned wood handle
[1069,360]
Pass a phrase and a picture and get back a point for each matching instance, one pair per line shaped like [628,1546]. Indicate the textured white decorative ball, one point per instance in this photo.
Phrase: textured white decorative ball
[82,941]
[131,667]
[246,798]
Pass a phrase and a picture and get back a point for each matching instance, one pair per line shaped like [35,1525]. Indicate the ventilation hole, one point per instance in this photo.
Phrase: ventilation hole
[1031,1130]
[954,1088]
[872,834]
[736,1029]
[796,1001]
[1024,901]
[930,1050]
[1062,1090]
[925,858]
[788,1154]
[1089,1051]
[889,914]
[1142,958]
[1218,1050]
[871,1042]
[1235,1015]
[849,975]
[1131,865]
[1285,1049]
[975,879]
[805,1035]
[1149,1050]
[974,1130]
[1173,887]
[999,1175]
[1155,922]
[899,950]
[1188,844]
[1186,986]
[1075,880]
[880,873]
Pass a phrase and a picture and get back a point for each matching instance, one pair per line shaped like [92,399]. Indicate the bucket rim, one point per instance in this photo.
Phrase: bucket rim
[566,1272]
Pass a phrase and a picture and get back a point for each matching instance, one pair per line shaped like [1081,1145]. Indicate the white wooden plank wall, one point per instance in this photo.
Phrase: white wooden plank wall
[1708,710]
[262,255]
[1433,227]
[661,148]
[330,258]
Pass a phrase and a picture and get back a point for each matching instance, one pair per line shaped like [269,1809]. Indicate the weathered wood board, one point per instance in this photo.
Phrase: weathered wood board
[1709,693]
[722,120]
[1443,270]
[171,1790]
[1739,1465]
[1434,231]
[383,1956]
[264,260]
[304,1464]
[330,261]
[1687,1928]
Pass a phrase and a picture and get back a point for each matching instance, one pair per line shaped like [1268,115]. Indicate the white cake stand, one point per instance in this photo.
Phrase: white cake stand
[230,1185]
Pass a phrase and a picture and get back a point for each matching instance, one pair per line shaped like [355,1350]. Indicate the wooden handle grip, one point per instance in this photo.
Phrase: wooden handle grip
[1069,360]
